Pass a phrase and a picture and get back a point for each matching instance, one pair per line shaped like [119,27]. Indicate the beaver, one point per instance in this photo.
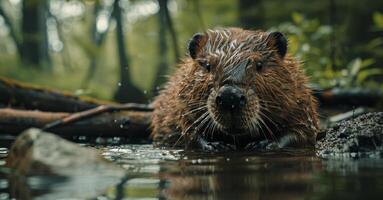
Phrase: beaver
[236,89]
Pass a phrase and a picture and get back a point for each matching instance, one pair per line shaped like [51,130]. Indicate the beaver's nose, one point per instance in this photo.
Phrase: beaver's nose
[230,98]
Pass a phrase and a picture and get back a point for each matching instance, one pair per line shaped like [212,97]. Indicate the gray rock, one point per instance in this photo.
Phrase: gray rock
[81,172]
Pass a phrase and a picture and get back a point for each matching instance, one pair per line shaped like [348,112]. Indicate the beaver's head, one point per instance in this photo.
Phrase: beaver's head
[248,79]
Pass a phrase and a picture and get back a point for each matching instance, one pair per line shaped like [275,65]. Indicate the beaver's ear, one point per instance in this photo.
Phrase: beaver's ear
[278,41]
[195,44]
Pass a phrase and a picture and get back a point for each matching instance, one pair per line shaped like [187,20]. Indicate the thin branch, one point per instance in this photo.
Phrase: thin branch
[96,111]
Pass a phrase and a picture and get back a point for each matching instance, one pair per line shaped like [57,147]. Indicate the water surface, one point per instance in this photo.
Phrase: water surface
[153,173]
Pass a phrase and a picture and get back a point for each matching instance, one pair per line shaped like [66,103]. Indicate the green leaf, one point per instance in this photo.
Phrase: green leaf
[363,75]
[354,67]
[367,62]
[378,19]
[297,17]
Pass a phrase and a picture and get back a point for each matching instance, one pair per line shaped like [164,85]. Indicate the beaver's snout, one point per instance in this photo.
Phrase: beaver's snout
[230,98]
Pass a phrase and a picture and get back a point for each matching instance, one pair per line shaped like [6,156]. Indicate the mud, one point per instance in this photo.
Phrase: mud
[358,137]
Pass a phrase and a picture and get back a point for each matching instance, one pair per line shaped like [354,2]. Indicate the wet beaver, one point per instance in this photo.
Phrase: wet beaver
[236,89]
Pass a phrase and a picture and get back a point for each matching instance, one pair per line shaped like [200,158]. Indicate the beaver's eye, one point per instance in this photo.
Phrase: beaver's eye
[259,65]
[205,64]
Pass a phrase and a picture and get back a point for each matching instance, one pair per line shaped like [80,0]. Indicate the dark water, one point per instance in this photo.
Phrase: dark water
[171,174]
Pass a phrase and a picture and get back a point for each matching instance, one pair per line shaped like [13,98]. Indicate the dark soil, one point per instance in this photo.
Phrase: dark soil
[361,136]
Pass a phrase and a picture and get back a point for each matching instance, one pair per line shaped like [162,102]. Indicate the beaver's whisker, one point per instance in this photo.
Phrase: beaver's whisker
[270,104]
[196,129]
[250,126]
[194,104]
[202,117]
[215,126]
[194,110]
[208,128]
[268,118]
[178,140]
[202,123]
[258,126]
[270,131]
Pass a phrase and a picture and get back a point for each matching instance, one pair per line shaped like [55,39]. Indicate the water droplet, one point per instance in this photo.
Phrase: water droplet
[119,84]
[145,91]
[199,161]
[247,160]
[228,159]
[121,126]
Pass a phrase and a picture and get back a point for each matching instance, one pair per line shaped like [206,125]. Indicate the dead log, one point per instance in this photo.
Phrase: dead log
[355,97]
[20,95]
[128,124]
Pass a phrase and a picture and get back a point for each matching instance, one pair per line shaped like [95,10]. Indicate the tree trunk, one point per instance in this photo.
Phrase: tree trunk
[98,39]
[126,91]
[12,30]
[162,47]
[34,46]
[172,31]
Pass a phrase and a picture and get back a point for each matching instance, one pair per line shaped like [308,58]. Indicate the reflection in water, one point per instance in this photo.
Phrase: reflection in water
[175,174]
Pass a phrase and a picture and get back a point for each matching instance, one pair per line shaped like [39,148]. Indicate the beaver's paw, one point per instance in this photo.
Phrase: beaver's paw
[263,145]
[218,147]
[215,146]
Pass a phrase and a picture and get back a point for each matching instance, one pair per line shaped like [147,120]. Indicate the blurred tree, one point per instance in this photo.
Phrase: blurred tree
[12,29]
[164,22]
[251,14]
[126,90]
[98,38]
[34,46]
[32,42]
[197,9]
[162,47]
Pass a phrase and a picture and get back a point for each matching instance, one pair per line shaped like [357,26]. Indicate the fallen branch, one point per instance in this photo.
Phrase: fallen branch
[128,124]
[25,96]
[355,97]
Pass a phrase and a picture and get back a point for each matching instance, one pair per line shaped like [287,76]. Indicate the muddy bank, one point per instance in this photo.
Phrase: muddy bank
[358,137]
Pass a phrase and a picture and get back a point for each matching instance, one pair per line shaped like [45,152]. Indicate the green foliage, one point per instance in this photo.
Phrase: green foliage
[378,20]
[311,42]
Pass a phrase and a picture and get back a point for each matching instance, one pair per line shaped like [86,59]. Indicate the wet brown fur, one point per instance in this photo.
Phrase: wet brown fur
[279,97]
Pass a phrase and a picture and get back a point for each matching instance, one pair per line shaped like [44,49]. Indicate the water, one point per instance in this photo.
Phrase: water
[175,174]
